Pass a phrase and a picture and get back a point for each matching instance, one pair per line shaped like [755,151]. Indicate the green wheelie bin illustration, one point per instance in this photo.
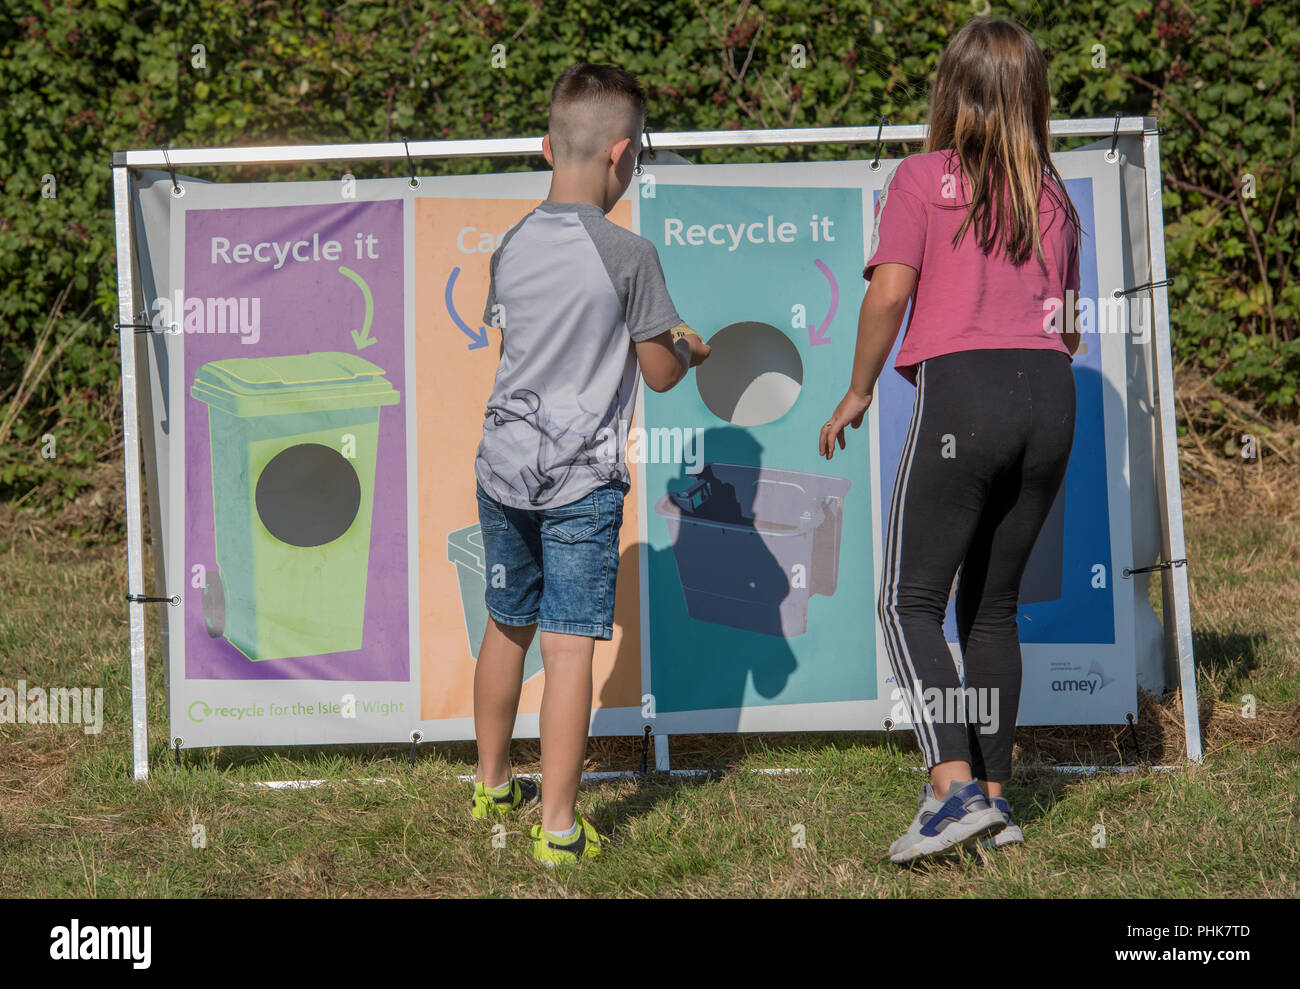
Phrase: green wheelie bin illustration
[294,443]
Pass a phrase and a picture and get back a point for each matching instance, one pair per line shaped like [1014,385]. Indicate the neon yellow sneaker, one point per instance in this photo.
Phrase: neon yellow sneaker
[585,843]
[519,792]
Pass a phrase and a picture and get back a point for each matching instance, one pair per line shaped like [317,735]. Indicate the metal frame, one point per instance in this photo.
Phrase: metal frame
[497,147]
[1177,613]
[131,455]
[1177,599]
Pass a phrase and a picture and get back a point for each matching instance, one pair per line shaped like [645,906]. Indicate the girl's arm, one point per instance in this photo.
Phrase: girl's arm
[1072,334]
[878,321]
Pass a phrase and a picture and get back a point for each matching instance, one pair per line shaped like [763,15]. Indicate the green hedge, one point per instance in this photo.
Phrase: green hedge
[82,79]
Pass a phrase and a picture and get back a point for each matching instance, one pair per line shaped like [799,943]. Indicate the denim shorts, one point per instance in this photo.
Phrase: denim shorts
[554,567]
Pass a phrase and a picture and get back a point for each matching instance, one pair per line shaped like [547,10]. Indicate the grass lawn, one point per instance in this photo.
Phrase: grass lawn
[73,823]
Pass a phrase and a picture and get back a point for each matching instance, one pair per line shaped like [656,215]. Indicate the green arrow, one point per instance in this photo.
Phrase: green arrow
[362,338]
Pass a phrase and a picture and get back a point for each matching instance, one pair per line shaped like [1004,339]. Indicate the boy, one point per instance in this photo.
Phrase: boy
[583,309]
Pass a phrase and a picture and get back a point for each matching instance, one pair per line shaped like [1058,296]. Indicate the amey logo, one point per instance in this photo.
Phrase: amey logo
[101,943]
[1094,681]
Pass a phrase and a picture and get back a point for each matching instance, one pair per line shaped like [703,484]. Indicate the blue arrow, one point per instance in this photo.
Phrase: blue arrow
[480,339]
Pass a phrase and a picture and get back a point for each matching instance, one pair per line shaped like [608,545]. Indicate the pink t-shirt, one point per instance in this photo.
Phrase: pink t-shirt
[965,299]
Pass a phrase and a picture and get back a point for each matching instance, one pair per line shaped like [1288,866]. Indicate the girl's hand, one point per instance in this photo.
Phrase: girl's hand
[850,412]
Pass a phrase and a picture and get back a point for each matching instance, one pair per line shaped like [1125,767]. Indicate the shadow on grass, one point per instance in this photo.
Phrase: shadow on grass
[1231,654]
[1033,794]
[1158,730]
[651,790]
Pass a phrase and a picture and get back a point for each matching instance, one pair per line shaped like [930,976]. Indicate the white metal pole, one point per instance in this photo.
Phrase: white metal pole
[663,760]
[131,455]
[1169,483]
[506,146]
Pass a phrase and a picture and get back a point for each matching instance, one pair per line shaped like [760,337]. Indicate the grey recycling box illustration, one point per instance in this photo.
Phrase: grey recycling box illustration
[465,550]
[753,544]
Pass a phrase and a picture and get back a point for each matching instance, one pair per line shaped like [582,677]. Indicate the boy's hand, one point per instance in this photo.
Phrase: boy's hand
[699,349]
[850,412]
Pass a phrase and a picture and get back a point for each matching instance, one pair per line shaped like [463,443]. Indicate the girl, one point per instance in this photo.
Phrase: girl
[978,234]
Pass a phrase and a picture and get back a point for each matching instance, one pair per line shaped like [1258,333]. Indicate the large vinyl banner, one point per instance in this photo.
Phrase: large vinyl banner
[319,395]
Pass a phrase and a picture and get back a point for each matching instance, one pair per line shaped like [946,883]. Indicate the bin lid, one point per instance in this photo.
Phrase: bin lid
[292,383]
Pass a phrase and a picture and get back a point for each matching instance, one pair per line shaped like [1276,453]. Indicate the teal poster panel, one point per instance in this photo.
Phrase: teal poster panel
[759,555]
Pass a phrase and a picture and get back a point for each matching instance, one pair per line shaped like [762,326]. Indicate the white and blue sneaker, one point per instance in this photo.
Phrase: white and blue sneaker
[1011,834]
[963,818]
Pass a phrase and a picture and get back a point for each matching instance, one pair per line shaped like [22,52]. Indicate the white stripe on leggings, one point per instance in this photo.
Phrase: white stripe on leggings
[899,654]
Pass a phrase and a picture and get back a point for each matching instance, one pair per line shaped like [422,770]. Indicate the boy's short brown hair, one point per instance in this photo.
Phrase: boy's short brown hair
[577,126]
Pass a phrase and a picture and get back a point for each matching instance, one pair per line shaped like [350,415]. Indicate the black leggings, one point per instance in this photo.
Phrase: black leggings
[984,458]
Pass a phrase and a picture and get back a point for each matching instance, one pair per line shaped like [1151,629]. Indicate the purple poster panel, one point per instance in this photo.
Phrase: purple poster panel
[293,323]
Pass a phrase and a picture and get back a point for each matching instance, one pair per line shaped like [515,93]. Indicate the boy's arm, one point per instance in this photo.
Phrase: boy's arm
[666,358]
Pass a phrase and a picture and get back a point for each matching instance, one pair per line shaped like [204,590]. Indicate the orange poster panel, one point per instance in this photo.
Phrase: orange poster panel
[454,370]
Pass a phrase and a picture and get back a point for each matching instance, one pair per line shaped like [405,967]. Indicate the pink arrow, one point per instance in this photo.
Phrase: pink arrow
[818,336]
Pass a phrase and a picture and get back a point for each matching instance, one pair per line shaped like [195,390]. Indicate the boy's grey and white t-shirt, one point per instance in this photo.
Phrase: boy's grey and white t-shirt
[571,291]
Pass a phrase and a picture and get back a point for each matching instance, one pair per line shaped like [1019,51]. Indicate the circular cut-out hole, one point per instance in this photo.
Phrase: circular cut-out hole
[308,495]
[753,374]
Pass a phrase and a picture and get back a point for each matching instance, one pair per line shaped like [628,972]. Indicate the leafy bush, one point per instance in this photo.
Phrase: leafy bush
[82,78]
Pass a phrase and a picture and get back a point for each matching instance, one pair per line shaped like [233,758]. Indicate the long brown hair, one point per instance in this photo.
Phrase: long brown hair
[990,105]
